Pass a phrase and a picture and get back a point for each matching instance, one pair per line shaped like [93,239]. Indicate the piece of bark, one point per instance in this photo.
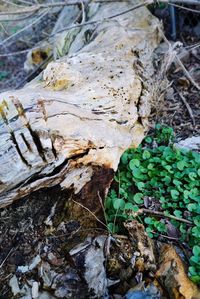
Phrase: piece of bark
[173,276]
[76,120]
[143,245]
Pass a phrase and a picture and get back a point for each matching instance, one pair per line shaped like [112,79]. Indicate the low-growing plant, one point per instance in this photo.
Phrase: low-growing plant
[3,75]
[170,178]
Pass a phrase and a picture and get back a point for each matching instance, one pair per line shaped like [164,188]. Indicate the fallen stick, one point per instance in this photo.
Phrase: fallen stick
[161,214]
[187,74]
[173,55]
[36,8]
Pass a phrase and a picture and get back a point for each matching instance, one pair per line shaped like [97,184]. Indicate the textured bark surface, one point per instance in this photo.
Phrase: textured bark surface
[83,111]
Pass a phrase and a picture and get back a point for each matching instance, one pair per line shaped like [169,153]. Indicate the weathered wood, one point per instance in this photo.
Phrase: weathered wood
[83,111]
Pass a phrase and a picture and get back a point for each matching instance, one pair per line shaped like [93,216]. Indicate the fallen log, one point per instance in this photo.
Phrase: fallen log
[71,124]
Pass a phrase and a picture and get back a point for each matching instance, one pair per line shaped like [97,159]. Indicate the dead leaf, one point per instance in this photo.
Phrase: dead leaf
[184,82]
[173,277]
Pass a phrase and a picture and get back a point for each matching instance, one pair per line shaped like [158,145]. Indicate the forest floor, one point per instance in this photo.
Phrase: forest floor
[23,235]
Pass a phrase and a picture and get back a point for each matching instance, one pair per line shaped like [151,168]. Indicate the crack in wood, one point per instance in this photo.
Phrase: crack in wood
[13,138]
[62,102]
[39,181]
[36,139]
[18,149]
[37,142]
[26,142]
[78,116]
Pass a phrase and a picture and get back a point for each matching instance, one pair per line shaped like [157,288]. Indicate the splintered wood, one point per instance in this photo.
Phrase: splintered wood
[79,116]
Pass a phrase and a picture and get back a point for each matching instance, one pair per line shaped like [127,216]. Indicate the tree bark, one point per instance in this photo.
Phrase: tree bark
[70,125]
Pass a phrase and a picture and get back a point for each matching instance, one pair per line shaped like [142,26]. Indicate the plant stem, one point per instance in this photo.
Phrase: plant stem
[82,206]
[161,214]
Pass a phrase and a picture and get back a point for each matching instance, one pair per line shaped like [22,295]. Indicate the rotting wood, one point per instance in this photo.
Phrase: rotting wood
[83,111]
[173,277]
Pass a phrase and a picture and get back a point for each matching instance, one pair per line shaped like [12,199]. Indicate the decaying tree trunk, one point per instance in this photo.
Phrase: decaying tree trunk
[71,124]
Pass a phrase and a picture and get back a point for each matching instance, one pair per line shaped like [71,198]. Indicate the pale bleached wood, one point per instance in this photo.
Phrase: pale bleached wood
[83,111]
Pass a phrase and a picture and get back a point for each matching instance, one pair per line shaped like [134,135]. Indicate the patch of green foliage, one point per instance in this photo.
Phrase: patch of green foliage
[169,175]
[3,75]
[14,29]
[152,7]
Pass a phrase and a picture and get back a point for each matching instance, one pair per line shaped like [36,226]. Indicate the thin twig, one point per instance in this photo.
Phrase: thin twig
[20,52]
[90,212]
[103,208]
[185,8]
[187,74]
[189,109]
[35,8]
[86,23]
[83,12]
[115,218]
[5,31]
[25,28]
[34,73]
[104,19]
[161,214]
[25,2]
[12,19]
[192,47]
[7,256]
[189,2]
[169,238]
[12,3]
[80,25]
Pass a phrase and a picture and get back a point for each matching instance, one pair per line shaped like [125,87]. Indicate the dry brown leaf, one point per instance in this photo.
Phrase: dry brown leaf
[173,276]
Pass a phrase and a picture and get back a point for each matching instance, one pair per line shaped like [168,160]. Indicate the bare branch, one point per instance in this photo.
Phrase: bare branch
[7,256]
[25,28]
[187,74]
[76,26]
[189,2]
[161,214]
[13,4]
[11,18]
[35,8]
[5,31]
[185,8]
[18,52]
[25,2]
[104,19]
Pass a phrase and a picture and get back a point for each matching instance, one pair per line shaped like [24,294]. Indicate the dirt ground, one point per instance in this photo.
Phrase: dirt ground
[23,234]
